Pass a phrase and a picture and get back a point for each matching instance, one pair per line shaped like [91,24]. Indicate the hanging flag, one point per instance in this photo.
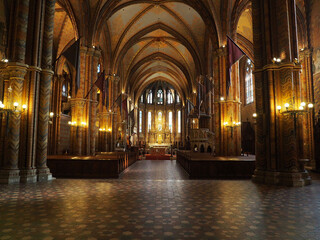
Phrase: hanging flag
[100,83]
[107,92]
[190,107]
[125,107]
[72,54]
[208,85]
[234,54]
[200,97]
[131,115]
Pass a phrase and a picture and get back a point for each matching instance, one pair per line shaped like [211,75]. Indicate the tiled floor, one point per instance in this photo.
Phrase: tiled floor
[152,207]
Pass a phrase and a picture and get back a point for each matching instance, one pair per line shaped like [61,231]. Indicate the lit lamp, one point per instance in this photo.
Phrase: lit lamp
[15,109]
[295,112]
[231,126]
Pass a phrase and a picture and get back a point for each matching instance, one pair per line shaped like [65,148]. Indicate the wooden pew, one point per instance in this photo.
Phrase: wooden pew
[103,165]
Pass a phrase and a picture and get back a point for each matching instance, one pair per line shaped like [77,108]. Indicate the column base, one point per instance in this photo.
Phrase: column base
[44,175]
[28,176]
[290,179]
[9,176]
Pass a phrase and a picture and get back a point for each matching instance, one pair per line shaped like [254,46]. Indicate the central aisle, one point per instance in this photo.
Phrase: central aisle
[155,170]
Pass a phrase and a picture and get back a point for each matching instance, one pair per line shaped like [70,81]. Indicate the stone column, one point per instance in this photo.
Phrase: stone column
[10,171]
[29,124]
[277,155]
[307,138]
[16,69]
[77,109]
[45,94]
[227,106]
[115,94]
[94,103]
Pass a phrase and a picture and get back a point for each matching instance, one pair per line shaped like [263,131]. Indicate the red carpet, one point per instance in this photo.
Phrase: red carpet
[158,157]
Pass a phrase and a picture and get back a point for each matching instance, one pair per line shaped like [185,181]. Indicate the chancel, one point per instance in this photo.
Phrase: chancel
[118,117]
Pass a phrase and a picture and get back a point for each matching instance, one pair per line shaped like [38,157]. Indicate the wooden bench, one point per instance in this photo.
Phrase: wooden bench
[204,165]
[103,165]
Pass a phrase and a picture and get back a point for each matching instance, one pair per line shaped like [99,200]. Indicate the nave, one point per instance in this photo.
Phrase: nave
[153,200]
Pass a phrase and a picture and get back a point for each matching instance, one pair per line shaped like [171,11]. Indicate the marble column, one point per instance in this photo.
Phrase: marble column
[277,154]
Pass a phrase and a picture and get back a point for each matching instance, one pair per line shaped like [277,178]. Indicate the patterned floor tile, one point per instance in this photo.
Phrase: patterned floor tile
[155,200]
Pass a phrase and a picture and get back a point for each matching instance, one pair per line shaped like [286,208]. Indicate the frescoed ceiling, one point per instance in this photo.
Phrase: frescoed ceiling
[146,40]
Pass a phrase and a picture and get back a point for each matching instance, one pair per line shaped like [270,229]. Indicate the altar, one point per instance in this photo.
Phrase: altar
[159,149]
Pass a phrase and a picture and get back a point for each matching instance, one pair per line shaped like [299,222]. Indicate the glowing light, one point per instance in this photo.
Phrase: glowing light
[278,60]
[286,105]
[303,104]
[310,105]
[51,114]
[69,122]
[15,104]
[279,108]
[301,108]
[83,123]
[222,99]
[24,106]
[254,115]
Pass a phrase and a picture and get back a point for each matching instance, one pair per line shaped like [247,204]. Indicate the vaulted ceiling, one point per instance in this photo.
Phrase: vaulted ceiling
[144,41]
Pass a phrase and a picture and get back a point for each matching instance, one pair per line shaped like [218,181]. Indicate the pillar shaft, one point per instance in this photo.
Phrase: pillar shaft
[10,171]
[45,93]
[277,133]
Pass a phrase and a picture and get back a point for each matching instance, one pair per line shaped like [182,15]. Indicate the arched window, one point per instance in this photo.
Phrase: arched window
[64,90]
[178,98]
[249,83]
[149,98]
[140,122]
[141,98]
[179,121]
[149,121]
[99,68]
[160,96]
[160,121]
[170,121]
[170,97]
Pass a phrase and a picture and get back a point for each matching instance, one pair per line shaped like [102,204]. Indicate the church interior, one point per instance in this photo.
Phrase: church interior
[159,119]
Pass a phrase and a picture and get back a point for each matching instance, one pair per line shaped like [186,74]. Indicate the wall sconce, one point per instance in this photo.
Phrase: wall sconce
[276,60]
[72,123]
[222,99]
[254,115]
[293,112]
[15,109]
[232,126]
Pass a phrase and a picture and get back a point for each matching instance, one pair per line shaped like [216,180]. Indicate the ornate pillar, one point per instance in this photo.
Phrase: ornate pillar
[45,94]
[277,154]
[9,172]
[227,106]
[307,135]
[77,128]
[94,103]
[115,115]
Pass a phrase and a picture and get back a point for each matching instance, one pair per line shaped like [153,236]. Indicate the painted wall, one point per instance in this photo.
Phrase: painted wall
[3,30]
[315,42]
